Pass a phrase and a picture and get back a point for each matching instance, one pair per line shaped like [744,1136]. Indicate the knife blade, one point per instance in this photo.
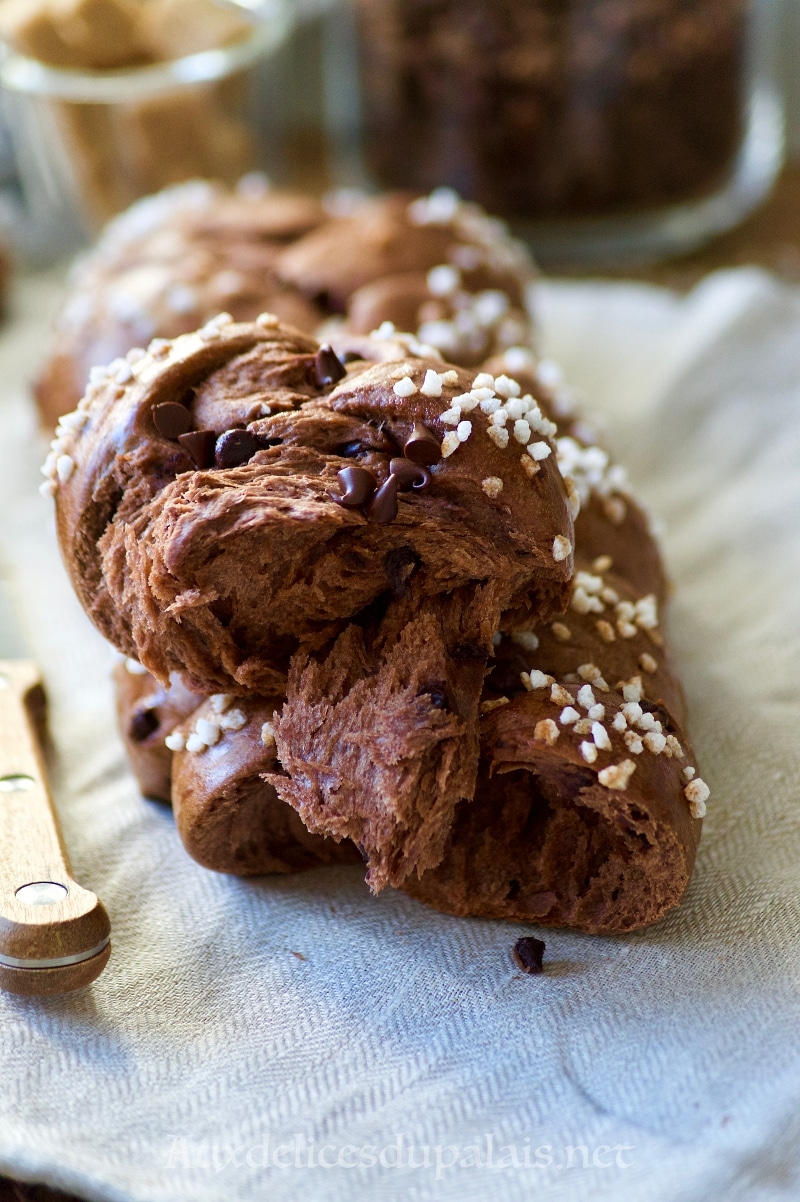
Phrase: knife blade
[54,935]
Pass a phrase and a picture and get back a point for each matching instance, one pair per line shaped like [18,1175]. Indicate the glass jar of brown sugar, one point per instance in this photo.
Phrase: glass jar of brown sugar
[606,130]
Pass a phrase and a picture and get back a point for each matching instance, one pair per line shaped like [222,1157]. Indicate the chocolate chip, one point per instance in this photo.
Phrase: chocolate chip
[409,475]
[171,419]
[351,450]
[142,725]
[328,367]
[358,483]
[382,509]
[399,566]
[423,446]
[200,445]
[235,447]
[528,953]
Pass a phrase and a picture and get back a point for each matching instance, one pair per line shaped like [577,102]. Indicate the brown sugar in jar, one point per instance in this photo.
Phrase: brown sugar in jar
[553,111]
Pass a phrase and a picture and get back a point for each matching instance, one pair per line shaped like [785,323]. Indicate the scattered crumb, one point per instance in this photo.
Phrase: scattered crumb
[528,954]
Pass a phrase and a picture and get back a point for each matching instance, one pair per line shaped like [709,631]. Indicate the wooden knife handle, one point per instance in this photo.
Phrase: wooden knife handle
[54,935]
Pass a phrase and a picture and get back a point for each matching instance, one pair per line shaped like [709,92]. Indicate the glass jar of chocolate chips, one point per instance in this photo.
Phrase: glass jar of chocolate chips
[605,130]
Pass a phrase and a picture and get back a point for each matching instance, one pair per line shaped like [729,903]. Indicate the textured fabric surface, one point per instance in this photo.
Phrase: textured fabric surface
[244,1028]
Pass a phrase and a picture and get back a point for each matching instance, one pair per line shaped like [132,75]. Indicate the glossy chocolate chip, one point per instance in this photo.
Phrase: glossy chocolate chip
[358,483]
[528,953]
[409,475]
[328,367]
[142,725]
[382,509]
[200,445]
[235,447]
[423,446]
[351,450]
[171,419]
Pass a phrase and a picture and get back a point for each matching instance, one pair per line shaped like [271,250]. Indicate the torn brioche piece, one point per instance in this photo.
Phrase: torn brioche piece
[378,737]
[577,821]
[227,812]
[210,757]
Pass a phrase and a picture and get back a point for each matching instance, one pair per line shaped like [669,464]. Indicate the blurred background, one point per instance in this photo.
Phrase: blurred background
[612,134]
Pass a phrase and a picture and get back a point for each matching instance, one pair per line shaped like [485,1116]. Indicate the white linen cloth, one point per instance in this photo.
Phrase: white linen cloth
[238,1016]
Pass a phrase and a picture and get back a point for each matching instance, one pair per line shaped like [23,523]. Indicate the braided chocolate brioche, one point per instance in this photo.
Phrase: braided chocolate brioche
[176,259]
[587,805]
[237,507]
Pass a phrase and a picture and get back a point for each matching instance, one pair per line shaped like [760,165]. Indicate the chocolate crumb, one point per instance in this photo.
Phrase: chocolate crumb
[423,446]
[171,419]
[200,445]
[358,483]
[528,953]
[328,367]
[235,447]
[382,509]
[142,725]
[409,474]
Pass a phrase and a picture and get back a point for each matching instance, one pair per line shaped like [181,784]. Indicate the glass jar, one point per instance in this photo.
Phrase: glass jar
[90,142]
[605,130]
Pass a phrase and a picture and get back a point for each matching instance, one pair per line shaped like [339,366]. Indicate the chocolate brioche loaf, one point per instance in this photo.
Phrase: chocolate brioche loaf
[433,265]
[236,507]
[175,260]
[164,267]
[587,805]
